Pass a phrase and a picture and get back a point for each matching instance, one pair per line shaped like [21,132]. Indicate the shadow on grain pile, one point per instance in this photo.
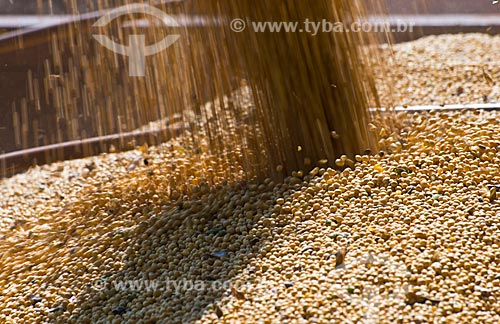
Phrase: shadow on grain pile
[174,266]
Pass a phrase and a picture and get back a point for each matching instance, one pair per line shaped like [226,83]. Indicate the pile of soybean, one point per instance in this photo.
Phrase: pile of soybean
[409,234]
[441,69]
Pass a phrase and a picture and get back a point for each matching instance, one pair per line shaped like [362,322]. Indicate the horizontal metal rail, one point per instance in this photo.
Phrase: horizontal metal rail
[29,23]
[440,20]
[454,107]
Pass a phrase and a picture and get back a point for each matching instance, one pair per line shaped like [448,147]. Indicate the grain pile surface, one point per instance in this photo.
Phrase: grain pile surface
[444,69]
[407,235]
[410,235]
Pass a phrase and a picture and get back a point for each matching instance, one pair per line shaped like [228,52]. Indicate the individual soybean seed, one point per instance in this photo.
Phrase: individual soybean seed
[383,132]
[323,162]
[314,171]
[492,194]
[349,164]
